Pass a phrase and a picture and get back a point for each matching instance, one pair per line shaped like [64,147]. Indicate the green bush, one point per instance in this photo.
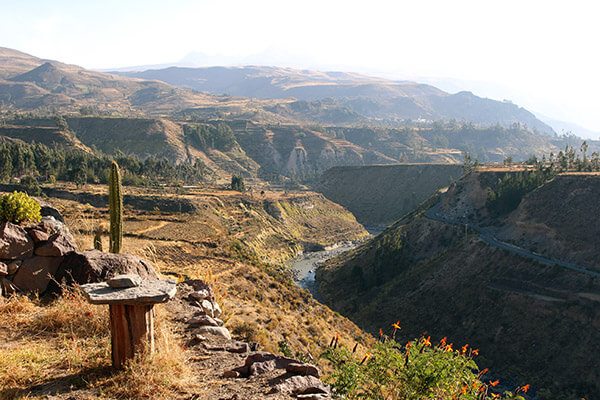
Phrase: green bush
[415,371]
[18,207]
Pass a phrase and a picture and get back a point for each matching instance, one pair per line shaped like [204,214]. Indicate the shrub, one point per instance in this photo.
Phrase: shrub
[237,183]
[18,207]
[415,371]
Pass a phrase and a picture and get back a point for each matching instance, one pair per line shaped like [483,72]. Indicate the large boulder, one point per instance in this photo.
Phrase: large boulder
[14,242]
[96,266]
[35,273]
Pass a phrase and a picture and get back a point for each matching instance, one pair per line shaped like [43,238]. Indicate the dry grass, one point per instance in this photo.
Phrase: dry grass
[64,347]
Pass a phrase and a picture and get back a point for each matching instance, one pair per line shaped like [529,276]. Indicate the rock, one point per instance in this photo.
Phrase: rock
[216,331]
[262,362]
[3,269]
[303,369]
[35,273]
[38,236]
[51,225]
[204,320]
[313,396]
[14,266]
[96,266]
[125,281]
[58,245]
[260,368]
[238,347]
[14,242]
[149,292]
[231,374]
[202,294]
[211,308]
[49,211]
[302,385]
[235,347]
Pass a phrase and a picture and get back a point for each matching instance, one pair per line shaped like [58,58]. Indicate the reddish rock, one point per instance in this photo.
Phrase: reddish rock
[96,266]
[58,245]
[35,273]
[14,242]
[38,236]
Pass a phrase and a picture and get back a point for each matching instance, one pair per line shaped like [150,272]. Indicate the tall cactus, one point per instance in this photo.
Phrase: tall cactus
[115,200]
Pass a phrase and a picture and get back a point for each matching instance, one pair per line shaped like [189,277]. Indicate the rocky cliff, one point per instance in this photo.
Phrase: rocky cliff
[381,194]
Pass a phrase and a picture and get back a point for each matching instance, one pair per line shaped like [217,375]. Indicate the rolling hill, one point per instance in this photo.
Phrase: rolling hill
[371,99]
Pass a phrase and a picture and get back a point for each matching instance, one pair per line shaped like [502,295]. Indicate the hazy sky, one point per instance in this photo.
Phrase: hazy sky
[543,55]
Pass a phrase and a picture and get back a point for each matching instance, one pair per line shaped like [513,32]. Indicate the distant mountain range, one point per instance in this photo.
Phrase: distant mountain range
[369,99]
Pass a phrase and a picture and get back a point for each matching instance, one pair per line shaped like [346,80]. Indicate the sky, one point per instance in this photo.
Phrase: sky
[543,55]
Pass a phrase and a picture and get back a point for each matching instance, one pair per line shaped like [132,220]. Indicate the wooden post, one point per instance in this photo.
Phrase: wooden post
[131,314]
[131,331]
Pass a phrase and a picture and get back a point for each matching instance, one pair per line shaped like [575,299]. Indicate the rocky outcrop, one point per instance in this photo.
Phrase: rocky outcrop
[38,258]
[382,194]
[32,256]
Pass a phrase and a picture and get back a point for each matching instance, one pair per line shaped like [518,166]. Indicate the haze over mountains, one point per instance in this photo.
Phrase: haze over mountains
[374,99]
[28,82]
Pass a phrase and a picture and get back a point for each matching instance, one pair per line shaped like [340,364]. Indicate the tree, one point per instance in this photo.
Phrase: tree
[237,183]
[30,186]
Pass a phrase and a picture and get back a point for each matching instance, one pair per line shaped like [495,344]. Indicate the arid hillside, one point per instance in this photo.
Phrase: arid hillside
[235,242]
[522,285]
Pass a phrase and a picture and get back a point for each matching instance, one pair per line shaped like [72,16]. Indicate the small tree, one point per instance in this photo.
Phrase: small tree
[30,186]
[237,183]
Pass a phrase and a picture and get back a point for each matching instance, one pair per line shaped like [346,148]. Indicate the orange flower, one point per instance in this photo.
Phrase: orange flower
[494,383]
[443,341]
[463,350]
[380,332]
[475,352]
[464,389]
[525,388]
[396,325]
[449,348]
[408,345]
[427,341]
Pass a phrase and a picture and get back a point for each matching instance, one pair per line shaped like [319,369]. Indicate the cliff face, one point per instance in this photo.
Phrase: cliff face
[380,195]
[516,285]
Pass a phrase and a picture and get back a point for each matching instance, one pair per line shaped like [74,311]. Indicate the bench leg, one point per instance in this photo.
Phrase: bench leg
[131,330]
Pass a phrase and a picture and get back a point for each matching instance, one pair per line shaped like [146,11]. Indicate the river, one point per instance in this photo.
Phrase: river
[305,265]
